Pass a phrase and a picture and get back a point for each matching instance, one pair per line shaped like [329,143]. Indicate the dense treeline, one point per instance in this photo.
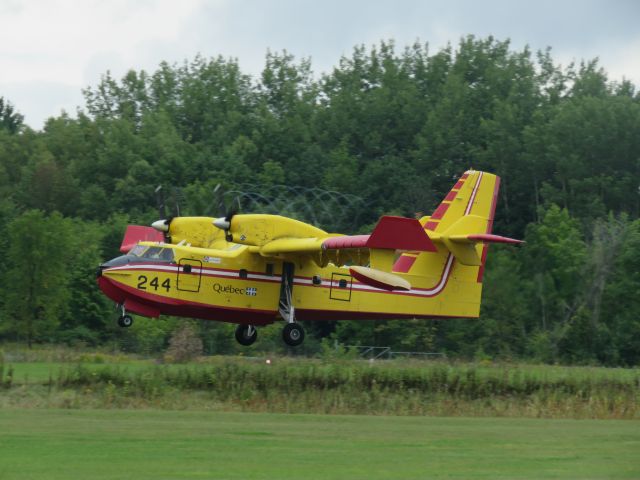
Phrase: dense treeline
[393,127]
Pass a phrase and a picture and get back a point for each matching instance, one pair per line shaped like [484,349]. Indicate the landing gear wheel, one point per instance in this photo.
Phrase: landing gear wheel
[125,321]
[293,334]
[246,334]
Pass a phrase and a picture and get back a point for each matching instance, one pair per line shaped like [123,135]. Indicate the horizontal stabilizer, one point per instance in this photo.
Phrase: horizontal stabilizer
[463,242]
[490,238]
[138,233]
[465,253]
[379,279]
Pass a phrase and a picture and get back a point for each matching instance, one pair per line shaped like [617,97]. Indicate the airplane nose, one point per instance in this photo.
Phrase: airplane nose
[100,269]
[114,262]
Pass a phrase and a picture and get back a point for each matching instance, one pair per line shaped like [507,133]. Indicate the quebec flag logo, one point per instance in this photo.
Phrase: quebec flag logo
[252,291]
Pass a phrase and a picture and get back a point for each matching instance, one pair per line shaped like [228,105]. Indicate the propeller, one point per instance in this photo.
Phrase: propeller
[160,201]
[164,224]
[224,223]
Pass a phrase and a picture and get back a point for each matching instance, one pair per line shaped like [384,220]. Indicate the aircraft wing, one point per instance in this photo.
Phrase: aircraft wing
[291,245]
[391,233]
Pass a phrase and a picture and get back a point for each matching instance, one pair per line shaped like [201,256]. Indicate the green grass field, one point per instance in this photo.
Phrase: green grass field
[147,444]
[186,421]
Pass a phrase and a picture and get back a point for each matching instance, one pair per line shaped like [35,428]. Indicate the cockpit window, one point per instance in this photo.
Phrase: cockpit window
[137,251]
[159,253]
[166,254]
[153,253]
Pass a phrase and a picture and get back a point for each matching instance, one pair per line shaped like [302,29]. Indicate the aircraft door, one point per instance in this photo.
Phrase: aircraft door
[340,287]
[189,273]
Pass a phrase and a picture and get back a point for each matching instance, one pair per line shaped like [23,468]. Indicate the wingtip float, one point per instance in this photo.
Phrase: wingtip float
[254,269]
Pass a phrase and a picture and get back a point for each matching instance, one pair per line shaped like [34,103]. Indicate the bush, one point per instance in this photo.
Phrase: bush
[5,380]
[79,336]
[184,345]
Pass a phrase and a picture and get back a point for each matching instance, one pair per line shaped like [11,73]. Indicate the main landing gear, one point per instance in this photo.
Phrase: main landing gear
[124,320]
[292,333]
[246,334]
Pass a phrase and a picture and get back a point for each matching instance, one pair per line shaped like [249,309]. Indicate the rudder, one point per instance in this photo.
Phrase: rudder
[461,225]
[475,193]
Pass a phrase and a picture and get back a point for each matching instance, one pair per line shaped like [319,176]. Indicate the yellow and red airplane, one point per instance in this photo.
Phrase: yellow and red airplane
[255,269]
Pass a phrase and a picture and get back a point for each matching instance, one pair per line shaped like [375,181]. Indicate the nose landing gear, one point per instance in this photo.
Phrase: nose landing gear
[124,320]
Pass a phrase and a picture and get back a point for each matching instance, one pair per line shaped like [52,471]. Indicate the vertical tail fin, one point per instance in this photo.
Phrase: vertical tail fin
[459,225]
[475,193]
[460,228]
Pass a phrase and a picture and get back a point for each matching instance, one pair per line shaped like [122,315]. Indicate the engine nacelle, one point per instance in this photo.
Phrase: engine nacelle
[261,229]
[195,231]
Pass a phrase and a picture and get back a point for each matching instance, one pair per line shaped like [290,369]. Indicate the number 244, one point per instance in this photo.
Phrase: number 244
[142,283]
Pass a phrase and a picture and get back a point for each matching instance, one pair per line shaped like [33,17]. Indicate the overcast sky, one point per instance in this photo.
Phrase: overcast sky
[51,49]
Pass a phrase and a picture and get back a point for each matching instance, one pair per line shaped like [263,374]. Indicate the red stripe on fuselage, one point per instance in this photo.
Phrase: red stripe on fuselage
[451,196]
[404,263]
[119,293]
[414,292]
[319,315]
[431,225]
[206,271]
[440,211]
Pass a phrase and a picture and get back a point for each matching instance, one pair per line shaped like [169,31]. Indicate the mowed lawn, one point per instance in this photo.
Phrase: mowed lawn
[144,444]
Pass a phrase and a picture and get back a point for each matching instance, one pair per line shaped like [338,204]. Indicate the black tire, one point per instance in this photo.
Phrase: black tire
[243,337]
[293,334]
[125,321]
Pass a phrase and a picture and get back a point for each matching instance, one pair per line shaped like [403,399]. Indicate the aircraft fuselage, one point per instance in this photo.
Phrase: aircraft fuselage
[239,287]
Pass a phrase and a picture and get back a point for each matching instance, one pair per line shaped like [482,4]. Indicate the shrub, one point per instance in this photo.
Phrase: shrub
[184,345]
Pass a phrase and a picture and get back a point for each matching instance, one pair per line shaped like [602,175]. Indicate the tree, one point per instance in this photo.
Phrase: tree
[35,285]
[620,300]
[555,261]
[395,128]
[88,310]
[502,329]
[10,120]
